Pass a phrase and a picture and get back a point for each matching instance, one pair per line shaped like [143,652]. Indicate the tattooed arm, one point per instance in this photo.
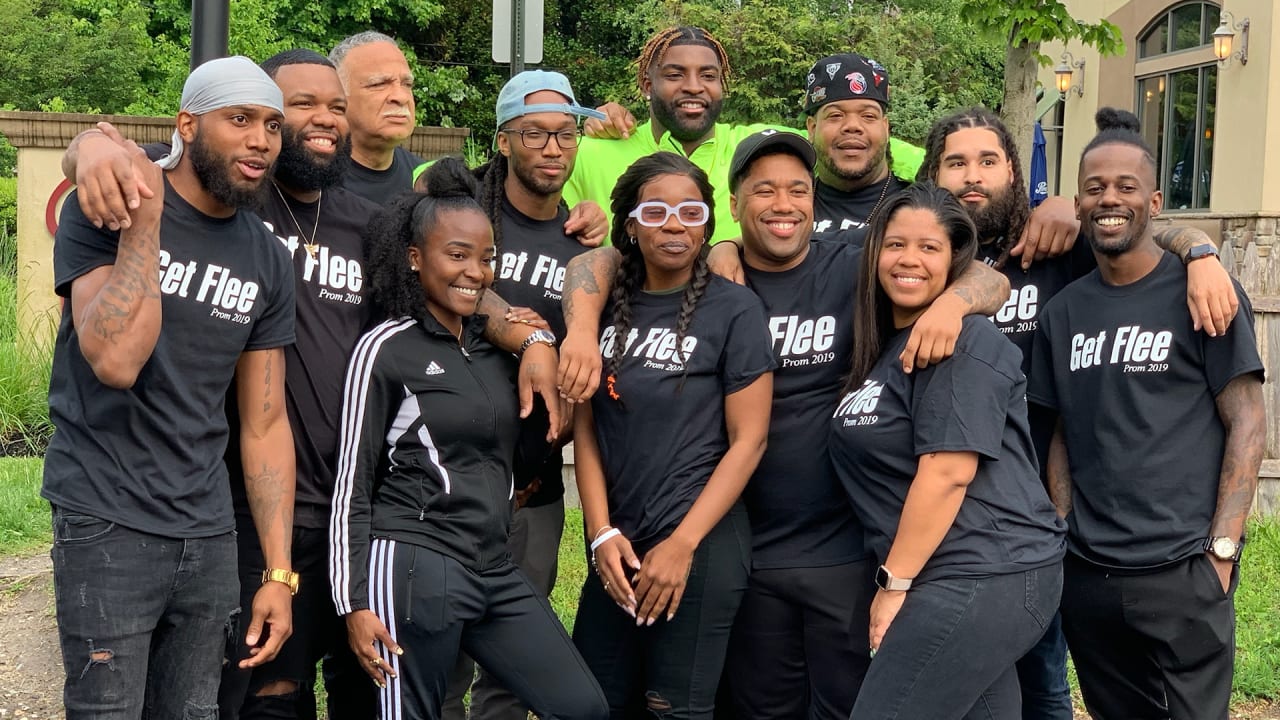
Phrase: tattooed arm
[1211,297]
[537,363]
[979,289]
[588,279]
[116,308]
[1058,472]
[266,451]
[1241,410]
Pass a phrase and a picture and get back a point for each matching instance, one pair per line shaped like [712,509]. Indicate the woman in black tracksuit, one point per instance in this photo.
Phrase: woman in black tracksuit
[419,564]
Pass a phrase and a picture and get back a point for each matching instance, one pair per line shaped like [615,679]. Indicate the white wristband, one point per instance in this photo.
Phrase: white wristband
[605,537]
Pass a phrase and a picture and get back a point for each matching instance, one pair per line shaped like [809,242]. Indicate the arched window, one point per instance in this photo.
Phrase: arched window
[1176,104]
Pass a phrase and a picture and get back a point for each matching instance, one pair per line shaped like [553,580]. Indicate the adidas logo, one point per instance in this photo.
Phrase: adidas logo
[434,369]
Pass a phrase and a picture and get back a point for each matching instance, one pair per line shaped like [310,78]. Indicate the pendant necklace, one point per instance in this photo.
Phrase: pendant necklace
[311,247]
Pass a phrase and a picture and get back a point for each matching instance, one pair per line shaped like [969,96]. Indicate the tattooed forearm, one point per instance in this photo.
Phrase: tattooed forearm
[1058,470]
[984,290]
[1180,240]
[266,387]
[271,503]
[505,335]
[585,275]
[1241,409]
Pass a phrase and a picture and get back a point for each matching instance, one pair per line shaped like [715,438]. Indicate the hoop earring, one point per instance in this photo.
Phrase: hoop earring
[633,239]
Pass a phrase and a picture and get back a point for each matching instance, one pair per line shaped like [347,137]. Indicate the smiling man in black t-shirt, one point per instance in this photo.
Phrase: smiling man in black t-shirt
[1154,462]
[160,317]
[972,154]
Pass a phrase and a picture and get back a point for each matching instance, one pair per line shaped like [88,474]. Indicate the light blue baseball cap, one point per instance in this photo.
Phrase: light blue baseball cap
[511,99]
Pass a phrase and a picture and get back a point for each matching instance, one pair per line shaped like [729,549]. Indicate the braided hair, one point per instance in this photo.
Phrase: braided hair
[404,223]
[493,177]
[630,276]
[979,117]
[680,35]
[873,315]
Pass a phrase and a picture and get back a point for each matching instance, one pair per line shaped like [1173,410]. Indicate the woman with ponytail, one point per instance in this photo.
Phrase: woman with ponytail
[665,448]
[422,504]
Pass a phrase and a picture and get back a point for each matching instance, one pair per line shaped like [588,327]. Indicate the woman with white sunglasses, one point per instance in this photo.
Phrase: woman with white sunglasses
[665,448]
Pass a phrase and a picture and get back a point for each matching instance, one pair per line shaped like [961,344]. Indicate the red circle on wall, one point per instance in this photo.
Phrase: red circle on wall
[51,208]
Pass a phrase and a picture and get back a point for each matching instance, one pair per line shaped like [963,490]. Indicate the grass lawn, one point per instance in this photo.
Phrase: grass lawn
[24,527]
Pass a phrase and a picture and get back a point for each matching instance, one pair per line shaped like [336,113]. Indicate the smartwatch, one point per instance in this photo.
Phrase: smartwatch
[1202,250]
[886,581]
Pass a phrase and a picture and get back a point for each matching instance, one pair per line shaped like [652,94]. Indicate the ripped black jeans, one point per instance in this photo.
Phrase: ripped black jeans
[670,670]
[143,619]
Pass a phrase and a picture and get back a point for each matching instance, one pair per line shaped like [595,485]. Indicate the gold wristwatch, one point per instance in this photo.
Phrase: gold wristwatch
[288,577]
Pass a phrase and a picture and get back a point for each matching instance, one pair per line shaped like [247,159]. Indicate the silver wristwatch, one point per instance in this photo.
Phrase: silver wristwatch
[546,337]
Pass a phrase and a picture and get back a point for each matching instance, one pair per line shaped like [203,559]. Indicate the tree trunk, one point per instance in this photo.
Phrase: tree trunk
[1021,65]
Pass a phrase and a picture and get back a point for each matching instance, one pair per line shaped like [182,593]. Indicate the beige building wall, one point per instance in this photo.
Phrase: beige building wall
[1248,100]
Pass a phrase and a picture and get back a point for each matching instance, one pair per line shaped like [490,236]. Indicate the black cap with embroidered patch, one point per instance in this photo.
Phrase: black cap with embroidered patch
[754,144]
[848,76]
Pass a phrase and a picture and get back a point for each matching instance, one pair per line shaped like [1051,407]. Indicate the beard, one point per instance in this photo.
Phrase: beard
[1114,247]
[994,219]
[529,178]
[856,176]
[682,130]
[301,169]
[214,173]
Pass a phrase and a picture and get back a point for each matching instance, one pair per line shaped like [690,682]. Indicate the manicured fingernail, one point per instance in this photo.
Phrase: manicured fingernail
[398,651]
[649,622]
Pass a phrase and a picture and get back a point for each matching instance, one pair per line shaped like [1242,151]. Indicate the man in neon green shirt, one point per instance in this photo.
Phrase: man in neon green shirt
[682,73]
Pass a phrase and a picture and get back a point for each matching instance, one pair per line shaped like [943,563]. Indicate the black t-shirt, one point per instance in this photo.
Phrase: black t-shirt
[974,401]
[1135,386]
[333,309]
[835,210]
[530,273]
[800,515]
[1032,288]
[150,457]
[663,438]
[379,186]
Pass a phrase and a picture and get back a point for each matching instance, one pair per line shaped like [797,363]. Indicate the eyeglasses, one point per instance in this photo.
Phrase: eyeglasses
[535,139]
[655,213]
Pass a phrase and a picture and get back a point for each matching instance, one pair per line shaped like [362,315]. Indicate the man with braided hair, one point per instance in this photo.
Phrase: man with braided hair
[683,73]
[537,142]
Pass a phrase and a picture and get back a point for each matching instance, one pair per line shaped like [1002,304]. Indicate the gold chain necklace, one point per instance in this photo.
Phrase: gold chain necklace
[311,247]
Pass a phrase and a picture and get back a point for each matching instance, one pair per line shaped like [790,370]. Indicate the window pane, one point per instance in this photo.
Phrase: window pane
[1186,27]
[1151,116]
[1209,96]
[1157,41]
[1212,16]
[1185,98]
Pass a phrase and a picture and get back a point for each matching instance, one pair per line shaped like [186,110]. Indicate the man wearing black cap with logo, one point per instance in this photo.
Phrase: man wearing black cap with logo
[796,647]
[847,101]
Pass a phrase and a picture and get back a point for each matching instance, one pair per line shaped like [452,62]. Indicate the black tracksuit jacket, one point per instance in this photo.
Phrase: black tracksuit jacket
[429,429]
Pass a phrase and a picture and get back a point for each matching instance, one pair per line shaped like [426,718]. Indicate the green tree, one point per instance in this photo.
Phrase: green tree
[1025,24]
[89,54]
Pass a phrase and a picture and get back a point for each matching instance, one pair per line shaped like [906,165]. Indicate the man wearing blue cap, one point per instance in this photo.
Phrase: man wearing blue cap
[159,318]
[537,144]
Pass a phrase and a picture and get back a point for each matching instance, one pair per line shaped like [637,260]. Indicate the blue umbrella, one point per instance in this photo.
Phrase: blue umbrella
[1039,168]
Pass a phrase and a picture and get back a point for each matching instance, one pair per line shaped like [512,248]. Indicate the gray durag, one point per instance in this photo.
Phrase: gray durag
[222,83]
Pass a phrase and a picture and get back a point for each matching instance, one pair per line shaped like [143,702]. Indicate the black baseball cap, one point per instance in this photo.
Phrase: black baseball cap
[848,76]
[752,146]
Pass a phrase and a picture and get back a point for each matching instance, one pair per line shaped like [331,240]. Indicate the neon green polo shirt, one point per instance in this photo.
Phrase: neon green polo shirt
[601,162]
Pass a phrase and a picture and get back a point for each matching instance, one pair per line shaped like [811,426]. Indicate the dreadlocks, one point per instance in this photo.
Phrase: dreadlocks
[681,35]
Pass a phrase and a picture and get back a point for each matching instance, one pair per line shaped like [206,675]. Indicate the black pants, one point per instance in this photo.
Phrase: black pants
[950,652]
[672,668]
[799,644]
[433,606]
[318,632]
[1155,645]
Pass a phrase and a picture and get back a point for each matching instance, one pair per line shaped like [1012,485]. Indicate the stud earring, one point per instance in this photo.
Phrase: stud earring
[413,268]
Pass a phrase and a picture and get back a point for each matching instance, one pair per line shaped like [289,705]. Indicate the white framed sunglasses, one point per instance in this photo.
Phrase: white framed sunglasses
[691,213]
